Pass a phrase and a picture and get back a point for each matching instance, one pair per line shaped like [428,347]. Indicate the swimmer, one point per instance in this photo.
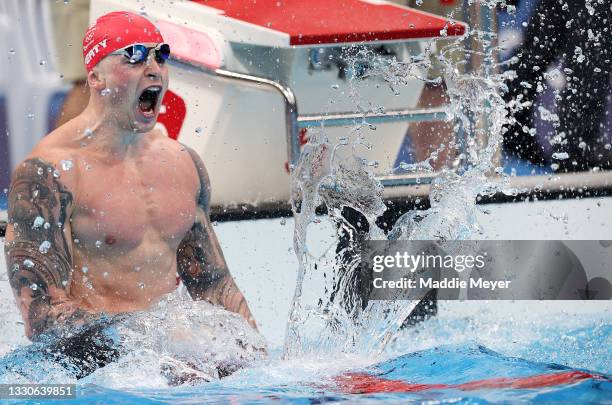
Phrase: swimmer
[107,213]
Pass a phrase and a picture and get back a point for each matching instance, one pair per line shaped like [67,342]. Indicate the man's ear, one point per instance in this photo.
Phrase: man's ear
[96,80]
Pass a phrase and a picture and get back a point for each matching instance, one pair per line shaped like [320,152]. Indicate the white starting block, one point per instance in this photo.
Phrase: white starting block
[248,77]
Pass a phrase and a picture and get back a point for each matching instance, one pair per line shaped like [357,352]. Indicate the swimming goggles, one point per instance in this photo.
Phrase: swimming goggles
[139,53]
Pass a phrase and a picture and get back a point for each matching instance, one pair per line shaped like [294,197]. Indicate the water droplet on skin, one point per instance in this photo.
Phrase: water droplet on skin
[89,285]
[28,263]
[137,269]
[88,132]
[56,174]
[105,92]
[44,247]
[38,222]
[98,244]
[66,165]
[141,285]
[84,269]
[105,275]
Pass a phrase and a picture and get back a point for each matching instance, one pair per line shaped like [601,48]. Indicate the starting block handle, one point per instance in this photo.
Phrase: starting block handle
[295,122]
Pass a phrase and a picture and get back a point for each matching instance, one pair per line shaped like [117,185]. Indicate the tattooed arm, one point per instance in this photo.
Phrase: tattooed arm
[37,249]
[200,262]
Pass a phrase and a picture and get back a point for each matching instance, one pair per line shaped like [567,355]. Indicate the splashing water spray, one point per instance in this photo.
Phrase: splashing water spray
[328,315]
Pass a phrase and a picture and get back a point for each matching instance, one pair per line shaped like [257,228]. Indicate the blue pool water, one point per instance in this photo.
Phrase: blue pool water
[468,342]
[447,364]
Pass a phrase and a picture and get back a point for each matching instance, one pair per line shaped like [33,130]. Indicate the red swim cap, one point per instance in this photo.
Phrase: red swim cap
[115,31]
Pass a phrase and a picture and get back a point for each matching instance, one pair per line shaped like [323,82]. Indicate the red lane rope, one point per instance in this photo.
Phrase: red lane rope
[363,383]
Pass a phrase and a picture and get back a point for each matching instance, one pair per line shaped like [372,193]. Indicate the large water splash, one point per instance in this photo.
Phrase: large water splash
[329,311]
[178,341]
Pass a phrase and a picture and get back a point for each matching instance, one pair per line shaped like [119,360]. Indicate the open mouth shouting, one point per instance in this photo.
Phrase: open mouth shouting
[149,100]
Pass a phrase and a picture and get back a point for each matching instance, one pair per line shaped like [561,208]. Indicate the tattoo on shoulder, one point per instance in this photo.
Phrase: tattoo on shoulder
[38,256]
[204,197]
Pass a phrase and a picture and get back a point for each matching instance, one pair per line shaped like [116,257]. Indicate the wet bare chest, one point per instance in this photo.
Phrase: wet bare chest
[121,206]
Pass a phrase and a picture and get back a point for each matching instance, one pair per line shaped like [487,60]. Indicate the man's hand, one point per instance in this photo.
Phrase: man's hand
[200,261]
[38,254]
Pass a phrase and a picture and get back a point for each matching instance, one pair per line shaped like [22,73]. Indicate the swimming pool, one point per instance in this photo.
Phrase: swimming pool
[469,354]
[467,342]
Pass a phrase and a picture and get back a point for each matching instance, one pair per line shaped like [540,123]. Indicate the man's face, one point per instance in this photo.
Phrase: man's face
[134,90]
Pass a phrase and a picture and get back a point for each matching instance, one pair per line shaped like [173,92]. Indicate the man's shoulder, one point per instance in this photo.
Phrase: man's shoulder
[190,155]
[50,160]
[55,147]
[179,150]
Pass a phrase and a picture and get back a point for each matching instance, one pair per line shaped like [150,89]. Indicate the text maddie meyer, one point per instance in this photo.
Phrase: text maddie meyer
[447,283]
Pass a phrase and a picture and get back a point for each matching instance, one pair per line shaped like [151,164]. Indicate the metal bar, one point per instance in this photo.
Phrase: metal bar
[405,180]
[291,109]
[349,118]
[294,122]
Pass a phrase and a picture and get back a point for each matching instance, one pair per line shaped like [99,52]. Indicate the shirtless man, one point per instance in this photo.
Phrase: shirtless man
[107,212]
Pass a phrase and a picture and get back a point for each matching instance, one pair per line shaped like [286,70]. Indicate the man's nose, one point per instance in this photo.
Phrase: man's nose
[153,69]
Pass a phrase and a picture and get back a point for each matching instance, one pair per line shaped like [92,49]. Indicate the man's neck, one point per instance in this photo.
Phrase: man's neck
[101,130]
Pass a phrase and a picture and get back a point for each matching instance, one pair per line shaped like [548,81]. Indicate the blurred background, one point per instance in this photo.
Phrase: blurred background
[560,98]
